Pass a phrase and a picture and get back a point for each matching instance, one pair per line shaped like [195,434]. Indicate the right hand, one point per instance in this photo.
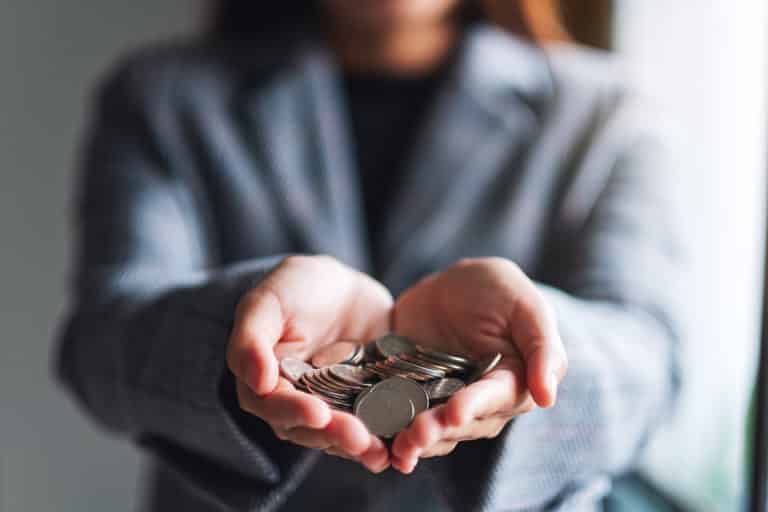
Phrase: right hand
[305,303]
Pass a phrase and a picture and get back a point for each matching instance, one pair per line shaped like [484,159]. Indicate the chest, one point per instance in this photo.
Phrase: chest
[279,176]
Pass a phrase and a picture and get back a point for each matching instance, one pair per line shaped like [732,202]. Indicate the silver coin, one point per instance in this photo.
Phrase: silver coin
[445,356]
[448,366]
[424,359]
[338,352]
[443,389]
[373,369]
[325,379]
[483,366]
[359,398]
[429,371]
[334,402]
[412,390]
[385,371]
[354,375]
[392,345]
[318,388]
[293,369]
[385,411]
[358,356]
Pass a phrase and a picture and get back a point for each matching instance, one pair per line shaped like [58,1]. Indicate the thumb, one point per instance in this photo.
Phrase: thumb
[259,323]
[536,336]
[545,368]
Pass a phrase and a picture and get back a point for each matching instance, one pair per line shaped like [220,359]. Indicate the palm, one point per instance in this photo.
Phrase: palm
[305,303]
[478,307]
[458,311]
[326,303]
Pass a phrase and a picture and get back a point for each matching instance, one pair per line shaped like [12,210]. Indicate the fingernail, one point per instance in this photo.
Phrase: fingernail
[552,385]
[381,468]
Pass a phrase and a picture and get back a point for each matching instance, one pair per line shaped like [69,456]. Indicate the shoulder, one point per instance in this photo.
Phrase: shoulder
[161,72]
[576,65]
[602,84]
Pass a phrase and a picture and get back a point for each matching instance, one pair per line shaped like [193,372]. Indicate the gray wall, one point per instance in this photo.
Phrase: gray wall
[51,457]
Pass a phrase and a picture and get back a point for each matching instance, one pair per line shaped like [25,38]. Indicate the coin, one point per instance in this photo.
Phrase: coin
[352,375]
[293,369]
[485,365]
[392,345]
[385,371]
[429,371]
[387,382]
[339,352]
[408,388]
[385,411]
[444,356]
[327,380]
[358,356]
[443,389]
[360,397]
[424,360]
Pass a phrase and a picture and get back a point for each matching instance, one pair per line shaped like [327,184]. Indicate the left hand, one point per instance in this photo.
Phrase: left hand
[476,307]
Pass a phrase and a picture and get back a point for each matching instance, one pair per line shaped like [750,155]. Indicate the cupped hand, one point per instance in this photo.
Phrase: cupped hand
[477,307]
[307,302]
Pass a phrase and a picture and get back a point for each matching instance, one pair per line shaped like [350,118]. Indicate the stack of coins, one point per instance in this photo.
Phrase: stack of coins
[387,384]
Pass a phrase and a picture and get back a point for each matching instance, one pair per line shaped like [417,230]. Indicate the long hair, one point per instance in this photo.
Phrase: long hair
[537,20]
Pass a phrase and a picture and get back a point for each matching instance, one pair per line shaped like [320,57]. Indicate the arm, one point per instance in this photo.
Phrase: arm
[146,340]
[615,307]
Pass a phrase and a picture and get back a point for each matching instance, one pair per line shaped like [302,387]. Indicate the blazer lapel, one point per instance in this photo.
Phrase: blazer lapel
[302,135]
[482,117]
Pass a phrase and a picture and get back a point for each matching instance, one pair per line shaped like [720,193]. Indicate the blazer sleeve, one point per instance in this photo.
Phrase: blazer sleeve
[143,347]
[616,300]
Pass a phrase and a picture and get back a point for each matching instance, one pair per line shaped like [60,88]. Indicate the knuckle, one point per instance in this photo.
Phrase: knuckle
[294,260]
[467,262]
[419,432]
[280,433]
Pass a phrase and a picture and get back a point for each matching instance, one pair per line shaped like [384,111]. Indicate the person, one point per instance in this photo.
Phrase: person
[268,189]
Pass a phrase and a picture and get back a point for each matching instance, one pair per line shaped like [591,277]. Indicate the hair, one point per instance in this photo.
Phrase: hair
[537,20]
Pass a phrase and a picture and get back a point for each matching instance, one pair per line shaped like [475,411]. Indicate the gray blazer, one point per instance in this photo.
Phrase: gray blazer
[208,161]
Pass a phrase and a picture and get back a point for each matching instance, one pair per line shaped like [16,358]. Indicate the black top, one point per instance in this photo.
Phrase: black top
[386,113]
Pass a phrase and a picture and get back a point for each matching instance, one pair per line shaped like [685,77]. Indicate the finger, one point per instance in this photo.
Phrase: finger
[451,436]
[499,392]
[306,437]
[376,457]
[339,453]
[425,430]
[536,335]
[478,429]
[440,449]
[348,433]
[285,407]
[405,466]
[258,327]
[345,433]
[546,367]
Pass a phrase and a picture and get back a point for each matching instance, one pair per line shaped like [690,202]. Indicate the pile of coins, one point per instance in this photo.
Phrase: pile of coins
[387,383]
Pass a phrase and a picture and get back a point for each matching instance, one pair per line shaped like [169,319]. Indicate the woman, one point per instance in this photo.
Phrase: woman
[512,198]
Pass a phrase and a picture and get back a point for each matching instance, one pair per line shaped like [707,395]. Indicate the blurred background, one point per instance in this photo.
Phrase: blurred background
[704,62]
